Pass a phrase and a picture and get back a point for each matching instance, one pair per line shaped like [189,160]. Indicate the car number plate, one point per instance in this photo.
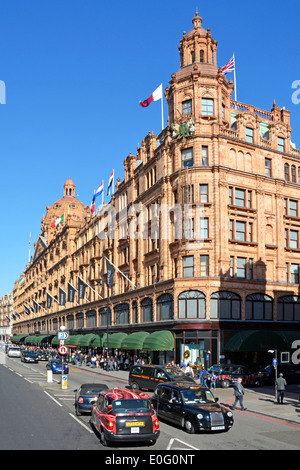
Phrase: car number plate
[217,428]
[135,430]
[134,423]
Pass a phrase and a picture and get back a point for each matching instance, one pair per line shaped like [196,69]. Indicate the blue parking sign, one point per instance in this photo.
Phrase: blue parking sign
[275,362]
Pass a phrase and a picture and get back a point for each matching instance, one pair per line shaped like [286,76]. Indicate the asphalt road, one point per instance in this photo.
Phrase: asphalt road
[40,416]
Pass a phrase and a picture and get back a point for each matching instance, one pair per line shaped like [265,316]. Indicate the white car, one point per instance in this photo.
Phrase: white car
[14,352]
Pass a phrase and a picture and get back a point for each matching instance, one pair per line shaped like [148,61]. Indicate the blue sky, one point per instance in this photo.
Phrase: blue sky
[75,71]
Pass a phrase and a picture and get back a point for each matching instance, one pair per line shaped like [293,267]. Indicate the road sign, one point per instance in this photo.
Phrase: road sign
[275,362]
[63,350]
[64,381]
[63,335]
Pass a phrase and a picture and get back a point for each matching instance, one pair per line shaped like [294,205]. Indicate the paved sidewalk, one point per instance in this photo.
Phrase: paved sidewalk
[259,400]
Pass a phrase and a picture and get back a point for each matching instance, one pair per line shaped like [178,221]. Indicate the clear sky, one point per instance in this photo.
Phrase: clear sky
[74,72]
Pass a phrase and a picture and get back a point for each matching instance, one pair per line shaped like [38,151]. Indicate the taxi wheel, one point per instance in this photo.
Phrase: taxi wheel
[225,384]
[134,386]
[189,427]
[105,442]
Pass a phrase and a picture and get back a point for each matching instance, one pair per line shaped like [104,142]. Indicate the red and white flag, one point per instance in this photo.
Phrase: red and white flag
[110,182]
[229,67]
[156,95]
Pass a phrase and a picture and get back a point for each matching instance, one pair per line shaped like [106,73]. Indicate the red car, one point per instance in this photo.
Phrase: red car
[122,415]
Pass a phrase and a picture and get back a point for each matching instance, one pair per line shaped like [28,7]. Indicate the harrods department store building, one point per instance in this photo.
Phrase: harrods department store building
[236,163]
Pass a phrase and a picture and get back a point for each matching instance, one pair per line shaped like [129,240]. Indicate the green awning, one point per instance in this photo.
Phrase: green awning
[255,340]
[30,339]
[85,340]
[42,338]
[18,338]
[114,340]
[73,340]
[135,340]
[159,341]
[98,340]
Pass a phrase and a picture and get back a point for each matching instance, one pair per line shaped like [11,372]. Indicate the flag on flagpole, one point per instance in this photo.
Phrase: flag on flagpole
[92,208]
[59,220]
[71,293]
[155,96]
[98,192]
[110,182]
[229,67]
[62,296]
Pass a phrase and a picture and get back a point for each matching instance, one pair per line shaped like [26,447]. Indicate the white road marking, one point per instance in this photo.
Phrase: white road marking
[82,424]
[169,446]
[57,402]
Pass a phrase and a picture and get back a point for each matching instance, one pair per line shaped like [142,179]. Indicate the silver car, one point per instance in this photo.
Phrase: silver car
[14,352]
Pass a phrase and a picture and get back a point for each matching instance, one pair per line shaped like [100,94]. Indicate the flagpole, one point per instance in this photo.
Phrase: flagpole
[234,78]
[29,247]
[90,288]
[162,110]
[120,272]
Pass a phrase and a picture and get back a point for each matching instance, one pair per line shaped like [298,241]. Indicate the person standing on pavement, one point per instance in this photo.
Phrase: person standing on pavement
[280,385]
[238,392]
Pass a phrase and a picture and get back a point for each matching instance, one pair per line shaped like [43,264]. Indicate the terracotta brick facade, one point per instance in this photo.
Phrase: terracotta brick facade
[236,172]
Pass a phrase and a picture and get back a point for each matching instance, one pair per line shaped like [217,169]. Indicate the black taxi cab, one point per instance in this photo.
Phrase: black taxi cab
[122,415]
[191,407]
[228,374]
[146,376]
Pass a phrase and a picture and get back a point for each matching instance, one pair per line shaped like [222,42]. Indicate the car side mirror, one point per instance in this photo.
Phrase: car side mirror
[216,399]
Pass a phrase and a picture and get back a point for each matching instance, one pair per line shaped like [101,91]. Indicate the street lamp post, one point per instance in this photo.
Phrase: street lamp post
[275,363]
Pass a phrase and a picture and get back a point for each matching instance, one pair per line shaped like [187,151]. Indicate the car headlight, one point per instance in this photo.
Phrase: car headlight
[229,414]
[199,416]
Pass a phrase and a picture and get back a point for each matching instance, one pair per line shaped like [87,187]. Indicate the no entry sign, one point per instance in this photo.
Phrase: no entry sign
[63,350]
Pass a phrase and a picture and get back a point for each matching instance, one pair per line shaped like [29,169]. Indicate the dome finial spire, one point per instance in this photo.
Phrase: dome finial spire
[197,20]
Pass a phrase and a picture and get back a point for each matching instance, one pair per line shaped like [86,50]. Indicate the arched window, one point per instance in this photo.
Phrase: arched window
[147,310]
[165,307]
[288,308]
[135,312]
[79,320]
[91,318]
[286,172]
[191,304]
[70,322]
[259,307]
[225,306]
[122,314]
[293,173]
[103,316]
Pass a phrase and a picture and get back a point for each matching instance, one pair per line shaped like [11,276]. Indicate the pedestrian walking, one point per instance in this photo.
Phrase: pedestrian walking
[189,370]
[203,377]
[238,392]
[213,380]
[280,385]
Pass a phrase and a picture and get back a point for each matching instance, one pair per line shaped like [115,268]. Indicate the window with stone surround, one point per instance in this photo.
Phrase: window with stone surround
[191,304]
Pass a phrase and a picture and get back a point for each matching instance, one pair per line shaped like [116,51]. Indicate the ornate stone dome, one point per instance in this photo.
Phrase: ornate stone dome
[73,211]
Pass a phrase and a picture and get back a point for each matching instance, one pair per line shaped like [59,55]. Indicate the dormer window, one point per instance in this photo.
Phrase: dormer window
[249,135]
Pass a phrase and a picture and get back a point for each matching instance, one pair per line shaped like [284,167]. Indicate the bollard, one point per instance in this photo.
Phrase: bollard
[49,376]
